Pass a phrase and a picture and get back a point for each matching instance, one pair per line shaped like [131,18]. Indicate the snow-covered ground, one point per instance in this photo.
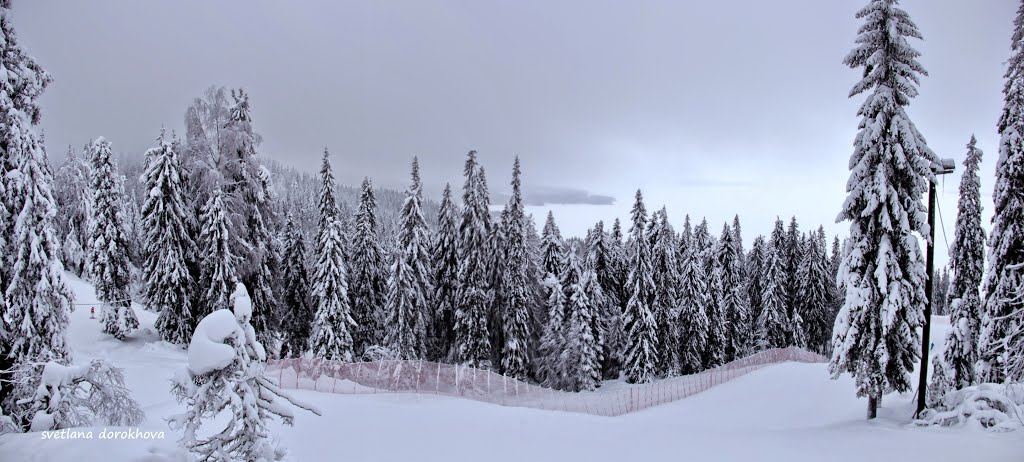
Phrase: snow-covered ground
[789,412]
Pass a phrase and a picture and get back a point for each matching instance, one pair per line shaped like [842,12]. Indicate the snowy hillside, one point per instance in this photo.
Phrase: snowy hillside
[791,412]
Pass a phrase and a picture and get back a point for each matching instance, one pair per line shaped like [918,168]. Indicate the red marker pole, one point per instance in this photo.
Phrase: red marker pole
[92,313]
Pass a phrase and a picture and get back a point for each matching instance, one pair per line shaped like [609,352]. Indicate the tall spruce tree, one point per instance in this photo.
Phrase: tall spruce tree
[967,260]
[692,320]
[297,322]
[367,281]
[812,299]
[737,234]
[515,352]
[34,300]
[641,326]
[551,367]
[1004,283]
[790,257]
[219,261]
[472,340]
[665,274]
[328,202]
[581,354]
[875,338]
[734,306]
[755,279]
[445,271]
[552,248]
[167,281]
[772,320]
[607,314]
[409,285]
[333,325]
[246,189]
[109,244]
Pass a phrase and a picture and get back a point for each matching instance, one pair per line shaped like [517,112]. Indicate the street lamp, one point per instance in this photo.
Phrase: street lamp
[943,167]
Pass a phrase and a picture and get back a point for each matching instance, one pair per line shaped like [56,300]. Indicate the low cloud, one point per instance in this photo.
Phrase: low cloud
[545,195]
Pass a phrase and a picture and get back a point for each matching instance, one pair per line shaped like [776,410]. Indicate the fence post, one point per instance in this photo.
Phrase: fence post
[376,381]
[437,380]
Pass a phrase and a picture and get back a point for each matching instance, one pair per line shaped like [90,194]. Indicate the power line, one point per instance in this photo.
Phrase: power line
[941,220]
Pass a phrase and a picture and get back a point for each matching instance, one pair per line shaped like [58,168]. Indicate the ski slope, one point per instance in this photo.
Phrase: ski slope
[788,412]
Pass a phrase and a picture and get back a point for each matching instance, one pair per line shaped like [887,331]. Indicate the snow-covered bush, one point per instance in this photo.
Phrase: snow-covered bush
[80,396]
[225,376]
[7,424]
[375,353]
[991,406]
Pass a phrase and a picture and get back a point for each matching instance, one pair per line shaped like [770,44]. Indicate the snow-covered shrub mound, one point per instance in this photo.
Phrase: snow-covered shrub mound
[225,376]
[83,395]
[376,353]
[998,407]
[7,424]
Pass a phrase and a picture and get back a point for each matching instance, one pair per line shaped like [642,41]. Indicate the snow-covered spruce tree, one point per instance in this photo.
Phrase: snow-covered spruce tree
[940,293]
[260,278]
[838,293]
[552,248]
[685,242]
[967,260]
[551,367]
[640,325]
[813,278]
[619,263]
[367,278]
[772,321]
[603,314]
[538,308]
[735,306]
[737,234]
[515,354]
[939,383]
[109,244]
[472,340]
[755,281]
[496,293]
[167,281]
[245,183]
[692,321]
[218,278]
[73,252]
[665,273]
[224,377]
[607,317]
[790,258]
[409,285]
[875,336]
[444,265]
[333,324]
[34,300]
[296,299]
[1005,243]
[714,353]
[328,205]
[73,195]
[582,352]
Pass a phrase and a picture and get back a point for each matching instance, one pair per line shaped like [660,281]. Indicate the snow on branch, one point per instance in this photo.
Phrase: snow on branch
[989,406]
[82,395]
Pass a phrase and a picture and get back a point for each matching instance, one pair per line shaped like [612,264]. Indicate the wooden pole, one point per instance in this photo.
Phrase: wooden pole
[922,385]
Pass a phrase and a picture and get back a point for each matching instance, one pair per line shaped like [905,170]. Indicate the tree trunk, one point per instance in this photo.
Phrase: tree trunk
[873,402]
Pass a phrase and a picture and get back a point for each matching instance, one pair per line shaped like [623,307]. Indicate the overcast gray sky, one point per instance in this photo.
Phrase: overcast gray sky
[713,108]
